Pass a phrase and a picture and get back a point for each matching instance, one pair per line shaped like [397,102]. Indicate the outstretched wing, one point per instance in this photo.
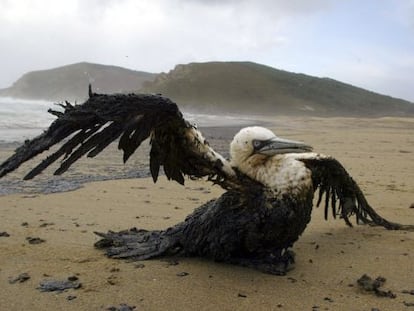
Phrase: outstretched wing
[88,128]
[342,194]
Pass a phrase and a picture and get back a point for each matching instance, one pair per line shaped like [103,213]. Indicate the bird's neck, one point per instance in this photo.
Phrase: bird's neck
[254,165]
[281,173]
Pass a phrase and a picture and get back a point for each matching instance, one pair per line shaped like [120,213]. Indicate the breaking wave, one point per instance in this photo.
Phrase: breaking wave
[21,119]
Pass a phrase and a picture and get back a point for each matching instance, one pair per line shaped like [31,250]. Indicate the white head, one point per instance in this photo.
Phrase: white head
[254,140]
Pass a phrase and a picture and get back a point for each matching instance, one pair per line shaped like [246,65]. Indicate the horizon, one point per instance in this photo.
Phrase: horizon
[368,44]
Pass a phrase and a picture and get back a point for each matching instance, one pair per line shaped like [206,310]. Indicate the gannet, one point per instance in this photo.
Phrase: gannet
[269,181]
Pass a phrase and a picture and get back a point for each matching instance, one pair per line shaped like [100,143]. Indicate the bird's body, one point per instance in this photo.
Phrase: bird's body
[270,181]
[254,232]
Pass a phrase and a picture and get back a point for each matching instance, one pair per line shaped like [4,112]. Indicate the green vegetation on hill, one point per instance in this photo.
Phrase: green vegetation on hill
[71,82]
[214,87]
[241,87]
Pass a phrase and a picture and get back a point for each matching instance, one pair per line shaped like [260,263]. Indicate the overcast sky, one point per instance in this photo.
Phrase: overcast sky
[368,43]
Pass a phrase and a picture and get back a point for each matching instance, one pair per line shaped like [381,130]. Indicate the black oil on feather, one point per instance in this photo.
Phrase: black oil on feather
[252,224]
[257,234]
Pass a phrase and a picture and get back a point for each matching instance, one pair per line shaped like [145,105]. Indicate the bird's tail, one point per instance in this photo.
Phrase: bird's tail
[139,244]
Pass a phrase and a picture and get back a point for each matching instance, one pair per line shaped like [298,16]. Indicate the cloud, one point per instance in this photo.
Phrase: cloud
[155,35]
[388,73]
[405,13]
[147,34]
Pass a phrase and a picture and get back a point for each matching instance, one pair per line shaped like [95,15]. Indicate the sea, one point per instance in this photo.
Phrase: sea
[22,119]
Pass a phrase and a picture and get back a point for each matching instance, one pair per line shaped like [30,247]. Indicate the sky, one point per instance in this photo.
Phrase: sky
[367,43]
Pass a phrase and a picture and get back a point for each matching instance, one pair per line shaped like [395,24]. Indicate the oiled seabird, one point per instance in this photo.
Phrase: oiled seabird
[270,181]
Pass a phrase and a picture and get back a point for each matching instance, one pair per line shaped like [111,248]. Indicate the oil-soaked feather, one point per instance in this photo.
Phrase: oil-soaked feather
[327,197]
[154,166]
[32,148]
[331,177]
[84,148]
[132,118]
[333,202]
[66,149]
[320,194]
[112,132]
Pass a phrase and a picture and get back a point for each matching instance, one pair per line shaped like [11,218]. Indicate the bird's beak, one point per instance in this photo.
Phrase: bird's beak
[279,145]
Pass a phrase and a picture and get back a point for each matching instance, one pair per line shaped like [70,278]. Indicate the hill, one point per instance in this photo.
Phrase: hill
[214,87]
[245,87]
[71,82]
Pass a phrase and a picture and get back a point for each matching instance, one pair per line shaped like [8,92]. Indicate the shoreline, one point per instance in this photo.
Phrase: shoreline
[108,164]
[330,257]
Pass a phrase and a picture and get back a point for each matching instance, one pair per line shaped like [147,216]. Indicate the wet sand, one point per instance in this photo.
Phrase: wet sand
[378,153]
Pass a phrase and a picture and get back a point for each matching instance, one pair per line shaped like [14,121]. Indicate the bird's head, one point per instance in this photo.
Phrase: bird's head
[256,140]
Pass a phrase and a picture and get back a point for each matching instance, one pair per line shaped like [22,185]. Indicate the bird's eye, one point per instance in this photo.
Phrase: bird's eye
[257,143]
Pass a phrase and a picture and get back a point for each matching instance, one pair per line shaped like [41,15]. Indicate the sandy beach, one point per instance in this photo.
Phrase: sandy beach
[50,236]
